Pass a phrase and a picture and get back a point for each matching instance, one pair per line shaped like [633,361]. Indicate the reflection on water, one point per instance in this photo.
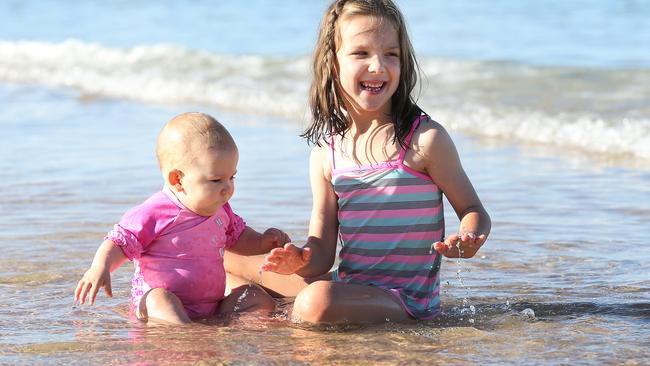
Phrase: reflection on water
[552,285]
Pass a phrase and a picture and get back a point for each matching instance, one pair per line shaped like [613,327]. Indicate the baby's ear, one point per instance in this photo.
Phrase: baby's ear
[175,179]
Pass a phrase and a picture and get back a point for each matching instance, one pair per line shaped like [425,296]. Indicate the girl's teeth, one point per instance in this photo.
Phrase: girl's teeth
[372,87]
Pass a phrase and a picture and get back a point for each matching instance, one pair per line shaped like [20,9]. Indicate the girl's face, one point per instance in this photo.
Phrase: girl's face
[368,65]
[208,182]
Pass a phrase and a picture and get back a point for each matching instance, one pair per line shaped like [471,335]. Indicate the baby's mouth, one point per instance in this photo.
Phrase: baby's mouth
[372,86]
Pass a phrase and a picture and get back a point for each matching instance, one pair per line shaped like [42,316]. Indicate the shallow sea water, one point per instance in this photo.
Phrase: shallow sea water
[563,278]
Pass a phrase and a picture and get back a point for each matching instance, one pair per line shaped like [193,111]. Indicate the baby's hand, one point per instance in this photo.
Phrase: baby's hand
[460,245]
[286,260]
[274,238]
[94,278]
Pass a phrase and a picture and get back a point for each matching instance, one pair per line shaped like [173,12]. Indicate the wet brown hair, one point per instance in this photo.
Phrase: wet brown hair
[326,102]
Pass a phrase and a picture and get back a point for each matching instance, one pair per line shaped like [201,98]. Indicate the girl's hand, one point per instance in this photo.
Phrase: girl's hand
[460,245]
[286,260]
[274,238]
[94,278]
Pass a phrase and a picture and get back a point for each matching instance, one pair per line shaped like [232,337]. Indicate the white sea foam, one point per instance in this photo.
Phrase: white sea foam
[598,111]
[161,74]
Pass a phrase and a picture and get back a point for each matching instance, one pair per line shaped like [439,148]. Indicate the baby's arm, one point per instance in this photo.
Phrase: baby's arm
[317,256]
[108,258]
[443,165]
[251,242]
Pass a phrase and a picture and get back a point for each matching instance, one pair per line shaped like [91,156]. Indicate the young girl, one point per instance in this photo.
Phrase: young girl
[177,237]
[378,172]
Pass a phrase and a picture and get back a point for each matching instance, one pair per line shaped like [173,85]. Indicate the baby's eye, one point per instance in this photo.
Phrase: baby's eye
[215,180]
[232,178]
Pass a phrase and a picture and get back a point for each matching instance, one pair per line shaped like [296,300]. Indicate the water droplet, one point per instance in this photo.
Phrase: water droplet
[240,299]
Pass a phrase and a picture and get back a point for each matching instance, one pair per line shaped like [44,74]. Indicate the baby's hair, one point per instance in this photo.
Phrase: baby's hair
[328,110]
[187,133]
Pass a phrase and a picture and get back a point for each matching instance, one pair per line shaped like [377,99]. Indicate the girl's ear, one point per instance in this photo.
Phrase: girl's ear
[175,179]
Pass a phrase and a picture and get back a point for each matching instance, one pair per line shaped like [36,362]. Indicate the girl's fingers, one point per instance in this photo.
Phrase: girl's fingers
[468,237]
[306,254]
[439,246]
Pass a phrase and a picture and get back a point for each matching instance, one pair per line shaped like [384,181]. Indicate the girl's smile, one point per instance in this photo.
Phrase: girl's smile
[373,86]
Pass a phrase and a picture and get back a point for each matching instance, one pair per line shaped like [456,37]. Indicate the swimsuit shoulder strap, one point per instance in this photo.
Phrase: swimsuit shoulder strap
[407,140]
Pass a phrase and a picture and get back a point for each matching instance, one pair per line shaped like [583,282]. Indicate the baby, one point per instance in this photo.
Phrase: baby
[177,237]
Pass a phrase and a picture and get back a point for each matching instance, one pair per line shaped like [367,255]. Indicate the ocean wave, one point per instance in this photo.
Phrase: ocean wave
[594,110]
[160,74]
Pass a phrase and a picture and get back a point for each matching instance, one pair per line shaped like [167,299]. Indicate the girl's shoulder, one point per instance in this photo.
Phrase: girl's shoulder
[431,142]
[430,133]
[320,160]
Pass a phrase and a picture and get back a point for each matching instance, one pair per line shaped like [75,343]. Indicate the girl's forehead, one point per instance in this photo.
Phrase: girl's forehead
[361,26]
[369,21]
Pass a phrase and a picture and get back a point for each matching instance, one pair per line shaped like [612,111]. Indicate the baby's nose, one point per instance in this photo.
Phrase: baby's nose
[229,189]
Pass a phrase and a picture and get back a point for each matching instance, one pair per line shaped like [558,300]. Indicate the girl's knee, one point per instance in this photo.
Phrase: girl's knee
[315,304]
[261,299]
[247,298]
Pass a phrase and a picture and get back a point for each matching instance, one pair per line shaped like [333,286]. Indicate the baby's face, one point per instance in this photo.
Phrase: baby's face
[208,183]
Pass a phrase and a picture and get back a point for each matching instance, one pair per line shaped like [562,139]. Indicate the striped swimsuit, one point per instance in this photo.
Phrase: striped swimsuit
[389,217]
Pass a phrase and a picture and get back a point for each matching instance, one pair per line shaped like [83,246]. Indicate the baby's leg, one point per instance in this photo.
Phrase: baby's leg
[246,298]
[161,305]
[245,270]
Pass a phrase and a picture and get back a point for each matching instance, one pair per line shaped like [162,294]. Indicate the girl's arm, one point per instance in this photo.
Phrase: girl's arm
[317,255]
[443,165]
[108,258]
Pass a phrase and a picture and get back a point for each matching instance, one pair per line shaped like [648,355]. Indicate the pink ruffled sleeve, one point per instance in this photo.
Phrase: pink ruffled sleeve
[142,225]
[235,228]
[126,240]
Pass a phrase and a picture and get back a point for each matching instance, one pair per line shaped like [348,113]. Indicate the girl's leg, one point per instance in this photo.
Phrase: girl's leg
[162,305]
[335,302]
[243,270]
[246,298]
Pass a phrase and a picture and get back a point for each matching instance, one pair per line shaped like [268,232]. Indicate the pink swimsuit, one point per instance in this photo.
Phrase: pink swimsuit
[175,249]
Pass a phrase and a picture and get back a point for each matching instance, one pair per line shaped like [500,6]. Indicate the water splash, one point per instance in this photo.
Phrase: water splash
[527,314]
[240,299]
[467,307]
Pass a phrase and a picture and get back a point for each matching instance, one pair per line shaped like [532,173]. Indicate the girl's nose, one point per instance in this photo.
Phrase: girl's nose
[376,64]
